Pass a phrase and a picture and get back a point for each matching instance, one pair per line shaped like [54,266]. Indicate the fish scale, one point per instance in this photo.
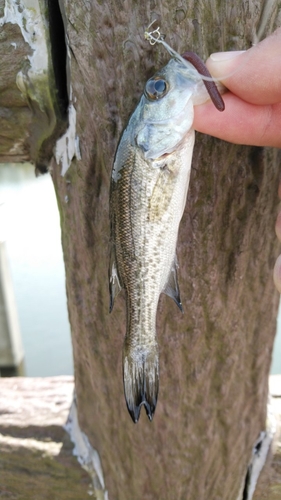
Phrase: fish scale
[149,186]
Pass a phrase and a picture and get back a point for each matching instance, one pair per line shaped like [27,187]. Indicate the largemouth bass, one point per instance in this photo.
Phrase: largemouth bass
[149,185]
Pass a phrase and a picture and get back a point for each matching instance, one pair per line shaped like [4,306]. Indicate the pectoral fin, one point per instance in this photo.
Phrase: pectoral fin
[172,286]
[114,283]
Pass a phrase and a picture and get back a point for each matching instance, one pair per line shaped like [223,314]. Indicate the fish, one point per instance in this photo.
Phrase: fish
[148,190]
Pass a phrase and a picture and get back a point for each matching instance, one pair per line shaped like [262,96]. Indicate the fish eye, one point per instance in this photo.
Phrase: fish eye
[156,88]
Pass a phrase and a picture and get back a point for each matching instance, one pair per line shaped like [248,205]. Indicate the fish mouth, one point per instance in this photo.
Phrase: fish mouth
[163,156]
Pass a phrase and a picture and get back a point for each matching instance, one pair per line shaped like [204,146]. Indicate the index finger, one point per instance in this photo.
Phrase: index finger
[253,75]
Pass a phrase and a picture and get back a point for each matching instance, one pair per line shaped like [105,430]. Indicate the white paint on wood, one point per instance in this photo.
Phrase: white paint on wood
[260,452]
[68,147]
[26,14]
[87,456]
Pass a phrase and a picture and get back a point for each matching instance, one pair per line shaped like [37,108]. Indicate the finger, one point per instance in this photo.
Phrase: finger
[241,122]
[253,75]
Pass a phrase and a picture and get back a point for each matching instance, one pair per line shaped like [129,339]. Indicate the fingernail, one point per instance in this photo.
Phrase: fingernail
[225,56]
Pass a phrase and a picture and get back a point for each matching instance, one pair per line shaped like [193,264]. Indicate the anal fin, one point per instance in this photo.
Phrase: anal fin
[172,287]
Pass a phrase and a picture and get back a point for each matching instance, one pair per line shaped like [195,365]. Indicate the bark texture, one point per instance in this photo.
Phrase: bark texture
[215,358]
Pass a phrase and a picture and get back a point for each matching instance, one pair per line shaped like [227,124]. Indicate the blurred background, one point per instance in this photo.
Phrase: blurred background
[31,242]
[30,228]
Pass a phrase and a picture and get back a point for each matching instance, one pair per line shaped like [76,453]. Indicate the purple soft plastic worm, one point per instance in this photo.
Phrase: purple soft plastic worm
[211,87]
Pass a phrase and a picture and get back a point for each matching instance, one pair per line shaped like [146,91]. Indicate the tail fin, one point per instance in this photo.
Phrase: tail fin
[141,379]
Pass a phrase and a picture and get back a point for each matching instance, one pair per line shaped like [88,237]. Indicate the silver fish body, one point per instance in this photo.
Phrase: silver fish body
[149,186]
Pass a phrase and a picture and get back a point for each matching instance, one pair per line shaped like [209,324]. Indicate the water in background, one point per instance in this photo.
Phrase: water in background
[36,262]
[33,241]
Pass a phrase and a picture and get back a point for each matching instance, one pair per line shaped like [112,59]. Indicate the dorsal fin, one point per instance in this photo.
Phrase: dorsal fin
[172,286]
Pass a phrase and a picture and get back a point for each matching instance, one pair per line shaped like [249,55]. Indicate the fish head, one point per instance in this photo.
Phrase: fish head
[165,114]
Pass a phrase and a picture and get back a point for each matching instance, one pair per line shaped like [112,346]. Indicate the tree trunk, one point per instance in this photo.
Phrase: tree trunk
[215,358]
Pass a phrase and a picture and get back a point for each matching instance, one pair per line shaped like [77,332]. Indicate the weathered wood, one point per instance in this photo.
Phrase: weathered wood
[214,359]
[36,458]
[32,109]
[36,454]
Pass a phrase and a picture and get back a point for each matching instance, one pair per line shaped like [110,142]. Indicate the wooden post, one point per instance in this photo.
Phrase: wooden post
[214,359]
[33,94]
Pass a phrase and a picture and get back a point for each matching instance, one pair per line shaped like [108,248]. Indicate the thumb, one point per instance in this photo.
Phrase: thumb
[254,74]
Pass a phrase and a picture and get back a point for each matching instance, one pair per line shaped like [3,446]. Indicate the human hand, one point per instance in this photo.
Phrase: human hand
[253,104]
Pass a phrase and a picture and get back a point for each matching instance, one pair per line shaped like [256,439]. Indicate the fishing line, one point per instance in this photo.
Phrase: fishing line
[156,37]
[190,60]
[197,69]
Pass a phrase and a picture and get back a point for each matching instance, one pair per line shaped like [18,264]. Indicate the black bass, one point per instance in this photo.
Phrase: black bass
[149,186]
